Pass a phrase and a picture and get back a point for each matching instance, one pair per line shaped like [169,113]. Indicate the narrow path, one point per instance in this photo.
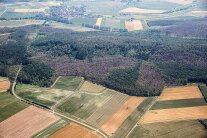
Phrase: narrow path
[53,111]
[55,81]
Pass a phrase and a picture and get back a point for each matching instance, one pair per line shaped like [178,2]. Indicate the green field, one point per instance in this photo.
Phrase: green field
[82,105]
[70,83]
[179,103]
[52,128]
[181,129]
[9,106]
[16,15]
[129,123]
[203,89]
[44,96]
[12,23]
[80,21]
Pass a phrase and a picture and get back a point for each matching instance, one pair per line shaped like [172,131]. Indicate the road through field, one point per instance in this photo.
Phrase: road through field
[73,120]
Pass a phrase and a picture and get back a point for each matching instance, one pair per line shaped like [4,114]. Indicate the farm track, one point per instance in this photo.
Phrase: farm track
[55,82]
[51,110]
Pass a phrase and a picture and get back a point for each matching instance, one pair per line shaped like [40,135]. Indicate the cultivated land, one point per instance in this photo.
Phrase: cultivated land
[174,114]
[29,121]
[29,10]
[134,10]
[4,84]
[82,105]
[114,122]
[74,131]
[88,86]
[44,96]
[99,21]
[18,23]
[9,106]
[182,2]
[70,83]
[176,129]
[185,92]
[107,109]
[133,25]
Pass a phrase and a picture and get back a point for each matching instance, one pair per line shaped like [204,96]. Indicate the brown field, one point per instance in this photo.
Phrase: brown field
[174,114]
[113,123]
[134,10]
[133,25]
[105,111]
[185,92]
[98,22]
[4,84]
[91,87]
[74,131]
[27,123]
[30,10]
[182,2]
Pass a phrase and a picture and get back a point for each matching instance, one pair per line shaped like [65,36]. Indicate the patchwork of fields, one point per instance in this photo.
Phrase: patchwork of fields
[175,114]
[115,114]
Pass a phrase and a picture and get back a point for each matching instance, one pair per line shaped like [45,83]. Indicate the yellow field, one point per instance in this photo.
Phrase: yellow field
[30,10]
[74,131]
[91,87]
[4,84]
[115,121]
[175,114]
[134,10]
[185,92]
[98,22]
[133,25]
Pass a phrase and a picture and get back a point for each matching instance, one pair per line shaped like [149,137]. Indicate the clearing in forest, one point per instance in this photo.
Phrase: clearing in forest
[114,122]
[133,25]
[91,87]
[174,114]
[74,131]
[182,92]
[29,121]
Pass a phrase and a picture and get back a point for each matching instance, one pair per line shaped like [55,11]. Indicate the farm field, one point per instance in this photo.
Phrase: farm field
[80,21]
[178,129]
[4,84]
[134,117]
[82,105]
[114,122]
[179,103]
[70,27]
[175,114]
[74,131]
[112,23]
[52,128]
[133,25]
[29,121]
[18,15]
[43,96]
[203,89]
[107,109]
[99,21]
[185,92]
[9,106]
[17,23]
[88,86]
[182,2]
[30,10]
[70,83]
[134,10]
